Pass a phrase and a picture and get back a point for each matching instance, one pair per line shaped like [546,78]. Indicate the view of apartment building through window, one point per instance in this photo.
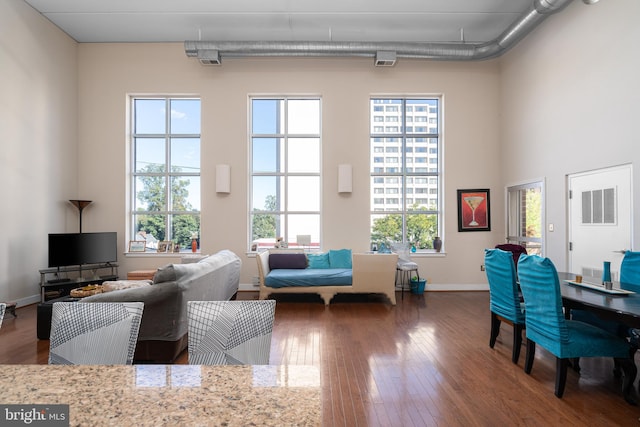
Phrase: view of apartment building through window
[405,171]
[285,172]
[165,172]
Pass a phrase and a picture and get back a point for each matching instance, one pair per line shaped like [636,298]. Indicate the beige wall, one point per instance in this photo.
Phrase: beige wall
[38,108]
[108,72]
[564,100]
[570,103]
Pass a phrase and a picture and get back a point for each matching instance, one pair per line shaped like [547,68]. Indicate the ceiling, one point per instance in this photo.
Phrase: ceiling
[449,21]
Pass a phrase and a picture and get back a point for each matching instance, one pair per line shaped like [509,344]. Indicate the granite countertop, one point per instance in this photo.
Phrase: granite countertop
[180,395]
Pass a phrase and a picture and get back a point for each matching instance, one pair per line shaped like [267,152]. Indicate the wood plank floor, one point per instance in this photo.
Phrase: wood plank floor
[424,362]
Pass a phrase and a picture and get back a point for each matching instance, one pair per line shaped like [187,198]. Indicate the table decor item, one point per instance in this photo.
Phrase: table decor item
[606,272]
[437,244]
[86,291]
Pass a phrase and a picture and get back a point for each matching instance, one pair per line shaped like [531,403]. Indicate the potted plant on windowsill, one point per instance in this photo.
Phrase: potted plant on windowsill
[417,285]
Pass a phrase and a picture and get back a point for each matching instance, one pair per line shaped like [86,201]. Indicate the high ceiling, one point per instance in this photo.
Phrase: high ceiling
[95,21]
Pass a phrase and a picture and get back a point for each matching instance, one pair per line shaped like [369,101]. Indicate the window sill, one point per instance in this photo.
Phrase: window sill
[159,254]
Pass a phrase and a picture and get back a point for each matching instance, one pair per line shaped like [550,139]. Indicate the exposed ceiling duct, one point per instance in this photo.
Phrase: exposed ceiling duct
[390,51]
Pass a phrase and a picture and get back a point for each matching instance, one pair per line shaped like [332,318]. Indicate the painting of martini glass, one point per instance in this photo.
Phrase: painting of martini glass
[473,210]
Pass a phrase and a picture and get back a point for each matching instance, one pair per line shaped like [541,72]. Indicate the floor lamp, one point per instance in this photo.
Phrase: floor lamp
[80,204]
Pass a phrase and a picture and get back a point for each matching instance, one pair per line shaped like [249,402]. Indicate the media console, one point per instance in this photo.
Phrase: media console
[58,282]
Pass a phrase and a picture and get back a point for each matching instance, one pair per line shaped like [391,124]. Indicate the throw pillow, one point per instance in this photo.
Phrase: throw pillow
[117,285]
[291,261]
[340,258]
[318,260]
[165,274]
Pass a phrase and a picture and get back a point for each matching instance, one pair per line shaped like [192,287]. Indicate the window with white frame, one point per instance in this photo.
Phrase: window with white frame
[405,219]
[285,171]
[165,172]
[525,216]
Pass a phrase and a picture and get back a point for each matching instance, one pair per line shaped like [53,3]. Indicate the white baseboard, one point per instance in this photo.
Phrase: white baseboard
[429,287]
[457,287]
[248,287]
[33,299]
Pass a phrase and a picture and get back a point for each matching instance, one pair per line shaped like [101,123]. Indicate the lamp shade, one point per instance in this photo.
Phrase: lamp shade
[223,179]
[344,179]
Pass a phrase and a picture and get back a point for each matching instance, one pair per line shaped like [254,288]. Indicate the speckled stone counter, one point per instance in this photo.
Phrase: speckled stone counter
[178,395]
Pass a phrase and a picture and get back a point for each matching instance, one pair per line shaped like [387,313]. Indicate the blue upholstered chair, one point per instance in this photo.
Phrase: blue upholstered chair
[516,251]
[630,272]
[230,332]
[97,333]
[565,339]
[504,294]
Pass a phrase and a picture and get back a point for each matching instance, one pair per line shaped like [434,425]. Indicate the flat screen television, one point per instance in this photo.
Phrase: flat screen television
[82,248]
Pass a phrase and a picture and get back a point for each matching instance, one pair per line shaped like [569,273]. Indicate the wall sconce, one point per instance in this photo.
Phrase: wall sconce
[345,184]
[223,179]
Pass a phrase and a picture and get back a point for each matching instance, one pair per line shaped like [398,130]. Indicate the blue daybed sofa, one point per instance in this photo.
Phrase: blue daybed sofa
[326,274]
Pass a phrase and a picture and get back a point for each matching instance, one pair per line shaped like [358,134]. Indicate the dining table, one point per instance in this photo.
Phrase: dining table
[592,296]
[158,395]
[616,304]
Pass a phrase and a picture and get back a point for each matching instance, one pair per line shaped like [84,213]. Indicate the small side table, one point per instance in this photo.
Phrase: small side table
[141,275]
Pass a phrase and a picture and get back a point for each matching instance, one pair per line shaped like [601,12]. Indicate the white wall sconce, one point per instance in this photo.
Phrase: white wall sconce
[223,179]
[345,181]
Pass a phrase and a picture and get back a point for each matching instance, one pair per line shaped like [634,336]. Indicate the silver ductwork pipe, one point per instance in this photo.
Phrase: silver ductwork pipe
[211,52]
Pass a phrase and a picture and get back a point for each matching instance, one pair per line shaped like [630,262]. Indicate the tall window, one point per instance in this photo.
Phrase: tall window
[165,172]
[412,215]
[525,216]
[285,172]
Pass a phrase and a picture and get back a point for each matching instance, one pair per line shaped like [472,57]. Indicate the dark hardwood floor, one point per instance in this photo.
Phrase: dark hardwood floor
[424,362]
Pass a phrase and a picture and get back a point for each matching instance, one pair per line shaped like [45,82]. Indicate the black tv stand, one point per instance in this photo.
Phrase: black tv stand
[53,286]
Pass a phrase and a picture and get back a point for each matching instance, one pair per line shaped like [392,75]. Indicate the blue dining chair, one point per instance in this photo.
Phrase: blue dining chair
[630,272]
[516,251]
[504,297]
[565,339]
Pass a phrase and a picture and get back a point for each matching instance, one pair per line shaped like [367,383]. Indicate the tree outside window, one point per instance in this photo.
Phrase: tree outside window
[285,171]
[166,171]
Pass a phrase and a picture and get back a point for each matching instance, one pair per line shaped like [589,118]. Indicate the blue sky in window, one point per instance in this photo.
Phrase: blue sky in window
[151,115]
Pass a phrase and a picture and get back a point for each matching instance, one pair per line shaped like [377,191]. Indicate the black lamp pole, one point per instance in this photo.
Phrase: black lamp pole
[80,204]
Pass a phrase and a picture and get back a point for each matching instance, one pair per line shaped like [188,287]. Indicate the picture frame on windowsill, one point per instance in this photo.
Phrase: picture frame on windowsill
[137,246]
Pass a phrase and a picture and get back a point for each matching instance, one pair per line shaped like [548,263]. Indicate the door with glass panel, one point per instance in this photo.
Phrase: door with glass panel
[525,216]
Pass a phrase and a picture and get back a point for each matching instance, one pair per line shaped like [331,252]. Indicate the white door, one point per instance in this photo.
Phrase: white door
[599,220]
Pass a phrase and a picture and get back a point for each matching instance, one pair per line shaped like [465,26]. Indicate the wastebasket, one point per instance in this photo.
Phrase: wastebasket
[417,286]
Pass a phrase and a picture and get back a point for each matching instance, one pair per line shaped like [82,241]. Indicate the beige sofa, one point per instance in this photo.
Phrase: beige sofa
[371,273]
[163,331]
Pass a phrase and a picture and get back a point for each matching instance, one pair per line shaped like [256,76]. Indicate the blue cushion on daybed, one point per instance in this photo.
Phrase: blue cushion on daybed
[282,278]
[340,258]
[319,260]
